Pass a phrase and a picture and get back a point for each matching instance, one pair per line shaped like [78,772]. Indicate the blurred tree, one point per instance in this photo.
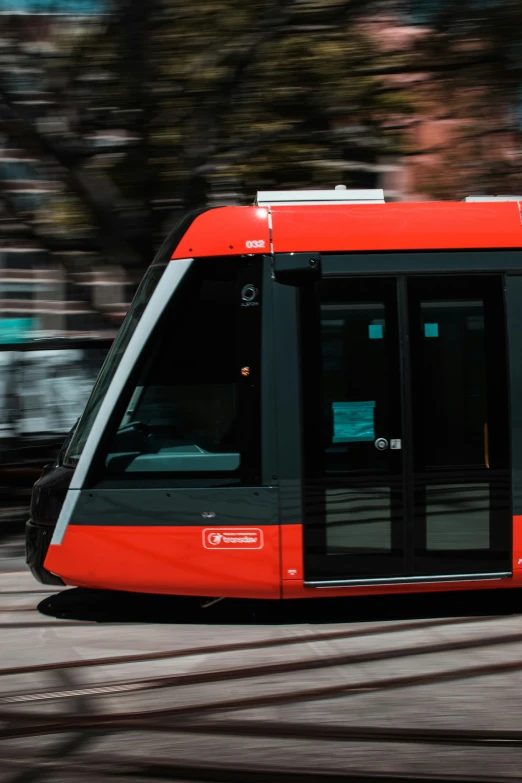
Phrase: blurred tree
[164,106]
[161,106]
[274,93]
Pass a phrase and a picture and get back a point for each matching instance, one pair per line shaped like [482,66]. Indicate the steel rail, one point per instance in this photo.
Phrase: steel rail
[260,670]
[306,732]
[256,644]
[27,725]
[110,766]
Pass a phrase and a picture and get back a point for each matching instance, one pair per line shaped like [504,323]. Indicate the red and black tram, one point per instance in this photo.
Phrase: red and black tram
[317,395]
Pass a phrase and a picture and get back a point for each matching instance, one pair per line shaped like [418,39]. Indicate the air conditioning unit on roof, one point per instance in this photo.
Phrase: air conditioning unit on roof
[493,198]
[340,195]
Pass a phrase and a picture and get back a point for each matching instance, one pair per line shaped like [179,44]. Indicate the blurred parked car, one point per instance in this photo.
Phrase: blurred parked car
[44,385]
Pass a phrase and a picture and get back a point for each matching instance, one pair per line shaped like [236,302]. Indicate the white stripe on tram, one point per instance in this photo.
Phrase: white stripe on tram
[169,281]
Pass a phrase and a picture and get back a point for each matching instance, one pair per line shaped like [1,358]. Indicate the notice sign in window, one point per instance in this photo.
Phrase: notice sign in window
[353,422]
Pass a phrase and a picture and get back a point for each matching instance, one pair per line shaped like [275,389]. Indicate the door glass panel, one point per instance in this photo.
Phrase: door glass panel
[355,394]
[351,399]
[453,416]
[460,426]
[358,521]
[457,517]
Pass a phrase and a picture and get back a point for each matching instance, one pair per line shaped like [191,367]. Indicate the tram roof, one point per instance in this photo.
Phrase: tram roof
[341,228]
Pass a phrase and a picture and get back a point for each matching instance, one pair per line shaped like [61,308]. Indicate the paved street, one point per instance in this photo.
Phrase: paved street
[247,685]
[12,554]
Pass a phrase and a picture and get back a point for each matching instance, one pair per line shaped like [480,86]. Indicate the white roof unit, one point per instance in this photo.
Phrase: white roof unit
[493,198]
[339,195]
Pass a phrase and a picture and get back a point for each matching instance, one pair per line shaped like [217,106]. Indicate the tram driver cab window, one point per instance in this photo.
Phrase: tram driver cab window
[181,412]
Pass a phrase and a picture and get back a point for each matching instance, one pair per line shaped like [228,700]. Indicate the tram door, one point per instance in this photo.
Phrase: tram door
[405,426]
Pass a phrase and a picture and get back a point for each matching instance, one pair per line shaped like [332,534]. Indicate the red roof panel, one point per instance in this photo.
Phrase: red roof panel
[354,228]
[397,226]
[226,231]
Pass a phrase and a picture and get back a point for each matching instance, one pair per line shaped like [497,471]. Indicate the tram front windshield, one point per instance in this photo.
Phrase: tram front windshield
[143,294]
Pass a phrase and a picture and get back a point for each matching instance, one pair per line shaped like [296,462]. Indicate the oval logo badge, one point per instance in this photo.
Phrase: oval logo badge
[232,538]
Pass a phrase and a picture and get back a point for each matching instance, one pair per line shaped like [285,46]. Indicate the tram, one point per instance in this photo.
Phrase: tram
[317,395]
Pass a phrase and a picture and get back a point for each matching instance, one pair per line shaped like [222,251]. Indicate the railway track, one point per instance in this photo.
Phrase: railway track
[243,691]
[32,723]
[112,767]
[242,646]
[245,672]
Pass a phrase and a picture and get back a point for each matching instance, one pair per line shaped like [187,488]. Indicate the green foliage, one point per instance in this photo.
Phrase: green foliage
[215,100]
[237,96]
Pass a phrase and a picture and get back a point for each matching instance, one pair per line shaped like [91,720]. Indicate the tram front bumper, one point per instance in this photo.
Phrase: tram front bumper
[37,540]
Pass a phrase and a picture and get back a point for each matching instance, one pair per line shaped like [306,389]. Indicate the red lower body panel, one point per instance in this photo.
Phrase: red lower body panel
[293,582]
[517,544]
[264,562]
[296,589]
[175,560]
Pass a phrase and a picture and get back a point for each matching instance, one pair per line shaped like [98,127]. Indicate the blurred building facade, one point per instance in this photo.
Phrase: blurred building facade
[56,321]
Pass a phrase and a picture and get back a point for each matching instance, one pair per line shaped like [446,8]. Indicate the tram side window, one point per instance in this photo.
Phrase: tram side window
[181,416]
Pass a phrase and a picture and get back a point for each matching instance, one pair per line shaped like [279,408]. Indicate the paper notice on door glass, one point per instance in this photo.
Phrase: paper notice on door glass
[353,422]
[431,330]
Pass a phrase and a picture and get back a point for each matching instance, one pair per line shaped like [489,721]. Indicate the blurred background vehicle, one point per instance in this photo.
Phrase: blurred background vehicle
[43,388]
